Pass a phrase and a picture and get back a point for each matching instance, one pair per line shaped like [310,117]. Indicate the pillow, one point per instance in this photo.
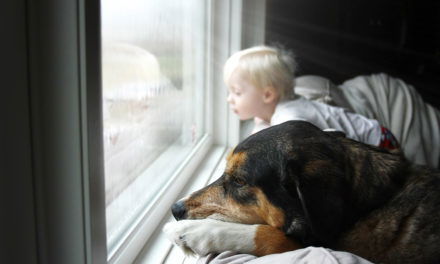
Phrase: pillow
[320,89]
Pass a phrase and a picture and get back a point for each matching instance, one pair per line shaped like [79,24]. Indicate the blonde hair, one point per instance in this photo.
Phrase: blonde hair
[264,66]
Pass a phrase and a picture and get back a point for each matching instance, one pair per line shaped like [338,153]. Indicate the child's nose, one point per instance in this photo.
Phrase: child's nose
[229,99]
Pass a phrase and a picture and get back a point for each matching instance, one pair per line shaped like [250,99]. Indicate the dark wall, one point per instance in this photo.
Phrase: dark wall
[340,39]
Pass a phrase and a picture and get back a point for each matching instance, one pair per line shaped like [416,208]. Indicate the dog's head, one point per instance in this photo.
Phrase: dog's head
[309,183]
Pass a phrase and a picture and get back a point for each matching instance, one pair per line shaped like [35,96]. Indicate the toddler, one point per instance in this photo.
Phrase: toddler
[260,82]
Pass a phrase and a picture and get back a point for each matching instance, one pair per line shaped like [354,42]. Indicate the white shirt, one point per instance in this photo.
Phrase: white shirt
[324,116]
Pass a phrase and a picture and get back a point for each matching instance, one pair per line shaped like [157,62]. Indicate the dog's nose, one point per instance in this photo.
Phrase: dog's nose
[179,211]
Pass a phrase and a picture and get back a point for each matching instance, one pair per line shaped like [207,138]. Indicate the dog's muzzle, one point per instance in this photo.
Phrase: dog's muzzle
[179,211]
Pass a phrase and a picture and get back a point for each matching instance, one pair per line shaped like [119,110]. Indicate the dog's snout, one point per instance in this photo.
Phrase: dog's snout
[179,211]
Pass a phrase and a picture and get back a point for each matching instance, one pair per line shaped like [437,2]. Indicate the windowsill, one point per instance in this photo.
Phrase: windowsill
[158,248]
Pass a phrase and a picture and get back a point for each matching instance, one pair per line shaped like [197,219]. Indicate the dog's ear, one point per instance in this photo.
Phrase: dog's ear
[297,222]
[320,196]
[334,132]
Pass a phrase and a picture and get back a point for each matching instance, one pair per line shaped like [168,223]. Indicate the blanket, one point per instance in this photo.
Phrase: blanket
[400,108]
[300,256]
[394,103]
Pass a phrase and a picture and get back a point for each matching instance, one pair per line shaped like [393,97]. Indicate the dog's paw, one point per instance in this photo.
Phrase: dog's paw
[176,232]
[211,236]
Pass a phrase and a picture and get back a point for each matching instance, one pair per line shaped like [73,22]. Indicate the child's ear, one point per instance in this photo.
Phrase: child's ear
[270,94]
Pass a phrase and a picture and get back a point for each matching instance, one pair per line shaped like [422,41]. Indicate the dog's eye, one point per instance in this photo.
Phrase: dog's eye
[238,182]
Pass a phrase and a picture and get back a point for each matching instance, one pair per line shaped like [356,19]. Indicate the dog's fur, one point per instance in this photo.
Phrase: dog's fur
[293,185]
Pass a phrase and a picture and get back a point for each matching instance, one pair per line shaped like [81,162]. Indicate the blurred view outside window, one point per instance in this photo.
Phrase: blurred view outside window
[153,99]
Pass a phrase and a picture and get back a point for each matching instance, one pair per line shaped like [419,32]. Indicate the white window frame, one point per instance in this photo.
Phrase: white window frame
[66,126]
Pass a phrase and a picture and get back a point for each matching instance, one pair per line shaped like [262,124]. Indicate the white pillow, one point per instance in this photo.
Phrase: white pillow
[320,89]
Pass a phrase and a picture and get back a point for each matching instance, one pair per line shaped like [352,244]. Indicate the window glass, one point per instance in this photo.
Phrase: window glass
[153,99]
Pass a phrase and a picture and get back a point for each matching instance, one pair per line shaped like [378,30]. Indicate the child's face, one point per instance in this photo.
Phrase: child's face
[244,98]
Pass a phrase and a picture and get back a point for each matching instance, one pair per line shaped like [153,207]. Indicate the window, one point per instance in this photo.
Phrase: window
[154,94]
[156,58]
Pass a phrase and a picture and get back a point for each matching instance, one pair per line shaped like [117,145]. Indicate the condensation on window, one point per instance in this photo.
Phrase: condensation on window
[152,61]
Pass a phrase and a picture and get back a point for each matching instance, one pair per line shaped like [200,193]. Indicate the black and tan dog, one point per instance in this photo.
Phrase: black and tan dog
[293,185]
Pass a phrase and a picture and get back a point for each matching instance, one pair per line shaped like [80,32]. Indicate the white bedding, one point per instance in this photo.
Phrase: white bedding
[400,108]
[301,256]
[395,104]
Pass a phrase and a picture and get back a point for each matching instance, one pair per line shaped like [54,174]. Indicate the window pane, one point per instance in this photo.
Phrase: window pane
[153,90]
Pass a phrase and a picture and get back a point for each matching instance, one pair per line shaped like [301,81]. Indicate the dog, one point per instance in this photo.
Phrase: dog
[293,185]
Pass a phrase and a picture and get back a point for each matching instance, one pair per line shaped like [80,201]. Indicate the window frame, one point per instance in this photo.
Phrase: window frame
[65,114]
